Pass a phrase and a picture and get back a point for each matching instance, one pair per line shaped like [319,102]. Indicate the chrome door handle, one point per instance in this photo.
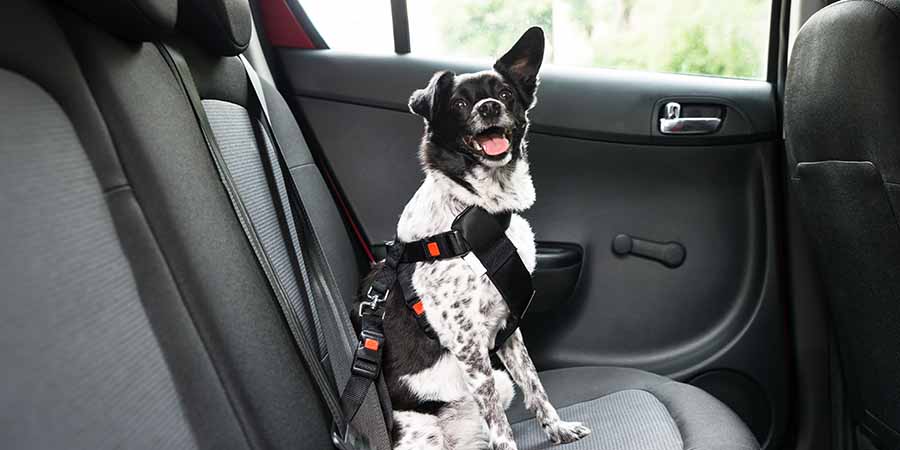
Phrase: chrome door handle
[673,123]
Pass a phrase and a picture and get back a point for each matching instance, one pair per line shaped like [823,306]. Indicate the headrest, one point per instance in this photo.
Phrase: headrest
[133,20]
[222,26]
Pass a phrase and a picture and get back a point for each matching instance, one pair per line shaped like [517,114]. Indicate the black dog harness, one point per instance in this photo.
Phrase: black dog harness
[473,232]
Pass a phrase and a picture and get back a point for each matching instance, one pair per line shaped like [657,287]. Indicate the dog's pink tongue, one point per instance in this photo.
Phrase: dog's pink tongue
[494,145]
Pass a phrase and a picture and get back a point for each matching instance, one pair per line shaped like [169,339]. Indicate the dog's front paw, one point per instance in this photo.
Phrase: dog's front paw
[504,445]
[564,432]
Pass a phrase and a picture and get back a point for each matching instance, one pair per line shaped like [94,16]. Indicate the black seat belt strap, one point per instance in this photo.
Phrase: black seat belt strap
[182,73]
[368,351]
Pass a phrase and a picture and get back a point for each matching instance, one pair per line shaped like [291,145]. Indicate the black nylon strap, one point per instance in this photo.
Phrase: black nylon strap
[449,244]
[182,73]
[289,230]
[486,235]
[483,234]
[411,298]
[366,363]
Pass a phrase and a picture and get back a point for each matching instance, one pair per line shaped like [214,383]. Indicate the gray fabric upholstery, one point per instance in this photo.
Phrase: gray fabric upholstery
[326,219]
[240,381]
[625,420]
[703,423]
[573,385]
[224,27]
[837,96]
[842,126]
[235,135]
[134,20]
[82,366]
[246,385]
[39,51]
[337,263]
[237,141]
[35,29]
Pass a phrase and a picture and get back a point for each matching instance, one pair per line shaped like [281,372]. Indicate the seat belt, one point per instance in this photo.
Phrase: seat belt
[297,324]
[375,420]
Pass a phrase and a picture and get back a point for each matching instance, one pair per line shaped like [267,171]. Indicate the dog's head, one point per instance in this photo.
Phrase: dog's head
[480,118]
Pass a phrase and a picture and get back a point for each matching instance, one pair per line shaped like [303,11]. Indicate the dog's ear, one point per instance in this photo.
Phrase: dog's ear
[521,63]
[428,101]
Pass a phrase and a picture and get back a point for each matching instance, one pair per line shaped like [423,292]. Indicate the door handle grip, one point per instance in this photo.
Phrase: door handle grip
[689,125]
[670,254]
[673,123]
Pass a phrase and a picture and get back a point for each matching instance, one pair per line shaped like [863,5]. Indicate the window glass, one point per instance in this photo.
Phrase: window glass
[709,37]
[353,25]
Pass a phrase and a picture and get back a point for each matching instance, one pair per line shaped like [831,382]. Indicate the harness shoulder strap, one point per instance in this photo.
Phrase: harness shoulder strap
[482,234]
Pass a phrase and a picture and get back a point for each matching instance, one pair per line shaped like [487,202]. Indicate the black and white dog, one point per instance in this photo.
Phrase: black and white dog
[445,393]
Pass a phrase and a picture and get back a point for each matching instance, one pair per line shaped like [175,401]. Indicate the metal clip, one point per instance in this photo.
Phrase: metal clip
[375,297]
[374,301]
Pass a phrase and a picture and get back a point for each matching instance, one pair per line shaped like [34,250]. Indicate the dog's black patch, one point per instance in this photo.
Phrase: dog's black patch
[407,349]
[429,407]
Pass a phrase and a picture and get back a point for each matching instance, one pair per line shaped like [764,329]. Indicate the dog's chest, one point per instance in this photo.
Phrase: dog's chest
[456,297]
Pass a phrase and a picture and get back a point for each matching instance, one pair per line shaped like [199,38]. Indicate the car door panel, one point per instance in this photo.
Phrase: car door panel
[601,169]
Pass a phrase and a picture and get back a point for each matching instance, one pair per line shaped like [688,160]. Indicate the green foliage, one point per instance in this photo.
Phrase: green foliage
[710,37]
[489,28]
[693,55]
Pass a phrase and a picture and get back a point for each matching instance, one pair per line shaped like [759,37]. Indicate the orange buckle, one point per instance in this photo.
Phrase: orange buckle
[371,344]
[418,308]
[433,249]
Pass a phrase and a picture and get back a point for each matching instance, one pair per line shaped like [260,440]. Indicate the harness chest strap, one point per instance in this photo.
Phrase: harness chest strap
[475,235]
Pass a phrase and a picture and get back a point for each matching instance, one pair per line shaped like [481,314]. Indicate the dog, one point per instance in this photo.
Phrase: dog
[445,392]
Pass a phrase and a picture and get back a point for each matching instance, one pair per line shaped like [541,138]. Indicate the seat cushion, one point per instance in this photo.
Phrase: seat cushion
[631,409]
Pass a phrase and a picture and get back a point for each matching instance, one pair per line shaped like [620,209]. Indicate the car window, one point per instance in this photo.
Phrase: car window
[353,25]
[706,37]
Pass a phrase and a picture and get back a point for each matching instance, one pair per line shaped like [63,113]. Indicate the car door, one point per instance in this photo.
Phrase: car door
[655,151]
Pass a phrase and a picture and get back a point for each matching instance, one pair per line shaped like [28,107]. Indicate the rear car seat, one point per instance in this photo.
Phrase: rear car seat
[136,313]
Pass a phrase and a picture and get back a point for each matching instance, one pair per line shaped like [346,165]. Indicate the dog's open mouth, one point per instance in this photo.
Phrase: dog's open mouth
[493,142]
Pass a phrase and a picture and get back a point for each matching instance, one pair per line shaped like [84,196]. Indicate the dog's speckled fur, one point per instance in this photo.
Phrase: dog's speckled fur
[446,394]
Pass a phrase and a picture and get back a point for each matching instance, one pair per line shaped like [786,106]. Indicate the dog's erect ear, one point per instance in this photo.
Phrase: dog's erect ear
[522,62]
[428,101]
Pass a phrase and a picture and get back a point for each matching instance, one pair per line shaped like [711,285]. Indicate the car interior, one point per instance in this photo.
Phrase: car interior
[193,191]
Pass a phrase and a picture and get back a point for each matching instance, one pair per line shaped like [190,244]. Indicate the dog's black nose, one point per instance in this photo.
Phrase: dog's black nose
[489,110]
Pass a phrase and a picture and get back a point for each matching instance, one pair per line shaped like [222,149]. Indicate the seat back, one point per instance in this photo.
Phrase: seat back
[842,130]
[82,367]
[209,43]
[134,313]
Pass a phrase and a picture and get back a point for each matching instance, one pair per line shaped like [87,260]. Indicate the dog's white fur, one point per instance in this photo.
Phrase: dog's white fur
[451,385]
[466,311]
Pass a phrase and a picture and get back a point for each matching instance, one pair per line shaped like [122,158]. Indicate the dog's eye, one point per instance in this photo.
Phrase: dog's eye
[506,95]
[461,104]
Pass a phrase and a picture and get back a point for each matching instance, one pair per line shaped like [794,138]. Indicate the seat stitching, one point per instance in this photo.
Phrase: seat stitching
[117,188]
[303,164]
[670,382]
[200,335]
[668,411]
